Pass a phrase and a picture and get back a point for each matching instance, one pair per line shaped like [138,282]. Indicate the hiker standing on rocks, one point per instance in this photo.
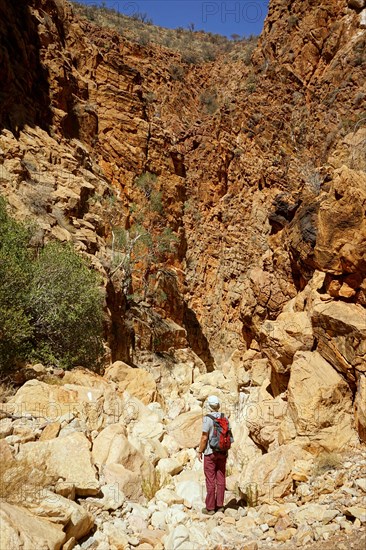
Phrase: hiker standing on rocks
[215,442]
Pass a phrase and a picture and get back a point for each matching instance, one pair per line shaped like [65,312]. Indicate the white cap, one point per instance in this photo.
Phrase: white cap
[213,401]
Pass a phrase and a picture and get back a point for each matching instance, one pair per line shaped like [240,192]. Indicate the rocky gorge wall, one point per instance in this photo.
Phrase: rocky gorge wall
[259,163]
[266,194]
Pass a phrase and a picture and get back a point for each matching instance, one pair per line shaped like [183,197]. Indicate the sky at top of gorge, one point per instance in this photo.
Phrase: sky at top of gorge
[236,18]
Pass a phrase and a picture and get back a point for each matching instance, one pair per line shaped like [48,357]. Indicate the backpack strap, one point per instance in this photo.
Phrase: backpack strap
[212,417]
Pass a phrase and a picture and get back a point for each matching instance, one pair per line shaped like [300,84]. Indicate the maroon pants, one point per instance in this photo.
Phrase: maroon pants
[214,466]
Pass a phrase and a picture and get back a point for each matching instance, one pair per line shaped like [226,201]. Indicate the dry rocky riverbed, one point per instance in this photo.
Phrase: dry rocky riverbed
[90,479]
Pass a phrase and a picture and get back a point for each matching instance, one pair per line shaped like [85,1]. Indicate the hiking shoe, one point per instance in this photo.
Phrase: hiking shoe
[220,509]
[207,512]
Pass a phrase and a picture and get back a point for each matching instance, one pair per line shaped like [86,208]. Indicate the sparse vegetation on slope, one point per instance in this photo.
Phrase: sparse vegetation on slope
[195,46]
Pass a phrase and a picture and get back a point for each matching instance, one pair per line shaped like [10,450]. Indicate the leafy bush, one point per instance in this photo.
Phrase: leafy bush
[15,277]
[66,308]
[50,306]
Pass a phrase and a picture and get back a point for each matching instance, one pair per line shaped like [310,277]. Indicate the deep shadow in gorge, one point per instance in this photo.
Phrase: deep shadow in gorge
[24,88]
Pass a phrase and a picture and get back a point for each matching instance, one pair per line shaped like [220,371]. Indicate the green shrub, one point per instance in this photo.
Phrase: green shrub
[50,306]
[66,309]
[15,276]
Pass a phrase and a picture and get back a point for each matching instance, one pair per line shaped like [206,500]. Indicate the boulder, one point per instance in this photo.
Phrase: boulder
[50,431]
[178,539]
[215,383]
[263,416]
[21,529]
[126,481]
[74,519]
[269,477]
[43,400]
[168,496]
[168,467]
[68,457]
[138,382]
[51,403]
[312,512]
[319,413]
[86,378]
[111,446]
[192,491]
[340,329]
[115,533]
[186,429]
[282,338]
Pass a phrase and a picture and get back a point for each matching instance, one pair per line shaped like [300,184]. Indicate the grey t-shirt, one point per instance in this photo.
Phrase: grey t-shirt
[207,427]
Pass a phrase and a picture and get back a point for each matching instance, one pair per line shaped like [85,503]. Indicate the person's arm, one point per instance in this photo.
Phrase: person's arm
[202,445]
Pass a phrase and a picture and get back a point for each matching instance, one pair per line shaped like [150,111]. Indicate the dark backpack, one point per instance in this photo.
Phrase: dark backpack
[220,440]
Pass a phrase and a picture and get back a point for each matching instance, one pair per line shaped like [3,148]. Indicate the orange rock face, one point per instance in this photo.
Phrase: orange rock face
[259,164]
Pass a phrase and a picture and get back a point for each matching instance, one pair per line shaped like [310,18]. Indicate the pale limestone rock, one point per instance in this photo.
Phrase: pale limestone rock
[178,539]
[358,512]
[152,536]
[304,535]
[112,448]
[6,427]
[361,483]
[113,498]
[158,519]
[302,470]
[151,449]
[341,332]
[138,382]
[175,515]
[186,429]
[243,449]
[86,378]
[126,481]
[363,19]
[51,431]
[214,383]
[20,529]
[115,534]
[287,534]
[51,403]
[198,534]
[146,429]
[191,491]
[319,413]
[269,477]
[168,467]
[70,544]
[68,458]
[264,415]
[74,519]
[260,371]
[170,444]
[40,399]
[309,513]
[282,338]
[65,489]
[5,452]
[168,496]
[245,525]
